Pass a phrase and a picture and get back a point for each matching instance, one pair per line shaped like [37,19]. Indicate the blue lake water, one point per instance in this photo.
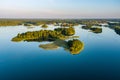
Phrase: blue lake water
[99,60]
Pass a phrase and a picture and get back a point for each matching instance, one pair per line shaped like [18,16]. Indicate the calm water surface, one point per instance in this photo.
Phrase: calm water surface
[100,59]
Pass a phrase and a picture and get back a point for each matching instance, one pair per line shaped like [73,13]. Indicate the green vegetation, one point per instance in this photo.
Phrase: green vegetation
[58,36]
[42,35]
[45,35]
[92,22]
[29,24]
[96,30]
[75,46]
[38,22]
[66,31]
[68,24]
[113,24]
[117,29]
[56,22]
[93,29]
[44,26]
[87,27]
[10,22]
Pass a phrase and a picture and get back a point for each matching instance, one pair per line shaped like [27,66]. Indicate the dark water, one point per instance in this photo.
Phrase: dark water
[100,59]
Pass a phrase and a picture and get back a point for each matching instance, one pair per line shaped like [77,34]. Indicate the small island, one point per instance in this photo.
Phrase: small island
[96,30]
[75,46]
[93,29]
[117,29]
[44,26]
[66,31]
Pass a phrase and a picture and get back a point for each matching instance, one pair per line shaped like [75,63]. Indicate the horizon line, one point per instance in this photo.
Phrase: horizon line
[61,18]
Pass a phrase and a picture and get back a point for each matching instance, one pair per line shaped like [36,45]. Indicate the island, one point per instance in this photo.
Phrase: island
[117,29]
[59,38]
[93,29]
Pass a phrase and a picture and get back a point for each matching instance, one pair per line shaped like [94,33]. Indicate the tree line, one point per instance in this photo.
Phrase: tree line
[45,35]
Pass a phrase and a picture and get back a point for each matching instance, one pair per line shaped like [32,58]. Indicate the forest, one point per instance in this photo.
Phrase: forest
[45,35]
[56,22]
[117,29]
[75,46]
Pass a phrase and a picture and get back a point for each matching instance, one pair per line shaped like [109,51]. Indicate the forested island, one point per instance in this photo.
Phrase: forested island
[45,35]
[58,36]
[117,29]
[93,29]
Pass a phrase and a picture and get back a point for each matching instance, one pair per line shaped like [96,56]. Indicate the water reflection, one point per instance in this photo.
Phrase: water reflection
[74,46]
[60,37]
[49,46]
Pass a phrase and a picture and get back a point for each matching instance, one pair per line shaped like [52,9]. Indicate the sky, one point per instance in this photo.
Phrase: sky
[59,8]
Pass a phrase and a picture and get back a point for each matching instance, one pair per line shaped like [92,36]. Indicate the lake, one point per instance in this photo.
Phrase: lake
[99,59]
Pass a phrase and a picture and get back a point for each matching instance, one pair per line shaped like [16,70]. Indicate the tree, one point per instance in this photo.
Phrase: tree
[44,26]
[75,46]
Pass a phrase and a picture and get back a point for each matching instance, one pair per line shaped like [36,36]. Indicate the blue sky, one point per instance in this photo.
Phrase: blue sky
[60,8]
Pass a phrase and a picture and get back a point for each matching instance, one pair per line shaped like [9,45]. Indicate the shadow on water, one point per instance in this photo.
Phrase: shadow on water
[74,46]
